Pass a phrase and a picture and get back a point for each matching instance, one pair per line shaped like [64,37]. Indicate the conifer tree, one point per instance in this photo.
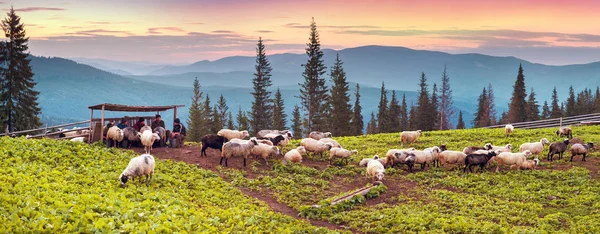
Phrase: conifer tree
[279,115]
[217,122]
[207,117]
[341,110]
[357,118]
[461,122]
[230,124]
[313,92]
[491,99]
[261,113]
[404,114]
[545,111]
[503,118]
[394,114]
[413,122]
[222,110]
[556,109]
[570,106]
[297,123]
[242,120]
[372,125]
[533,108]
[597,100]
[434,114]
[516,109]
[481,118]
[446,110]
[423,115]
[382,113]
[194,122]
[18,99]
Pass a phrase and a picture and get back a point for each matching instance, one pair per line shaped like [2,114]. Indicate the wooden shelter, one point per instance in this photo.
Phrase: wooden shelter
[100,122]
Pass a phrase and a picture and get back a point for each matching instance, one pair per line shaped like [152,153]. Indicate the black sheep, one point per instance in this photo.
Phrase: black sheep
[443,148]
[274,140]
[212,141]
[477,159]
[557,148]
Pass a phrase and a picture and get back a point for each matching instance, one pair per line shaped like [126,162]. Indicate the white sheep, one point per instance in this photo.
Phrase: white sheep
[265,141]
[142,165]
[263,133]
[145,127]
[233,149]
[528,164]
[315,146]
[508,129]
[577,149]
[319,135]
[364,161]
[115,134]
[435,154]
[472,149]
[233,134]
[423,157]
[375,170]
[507,158]
[333,142]
[536,148]
[264,151]
[294,155]
[148,139]
[78,139]
[498,149]
[337,152]
[452,157]
[410,136]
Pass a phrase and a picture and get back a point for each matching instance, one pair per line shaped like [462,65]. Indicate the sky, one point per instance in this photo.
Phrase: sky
[553,32]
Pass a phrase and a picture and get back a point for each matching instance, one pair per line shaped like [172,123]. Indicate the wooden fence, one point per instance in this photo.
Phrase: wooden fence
[587,119]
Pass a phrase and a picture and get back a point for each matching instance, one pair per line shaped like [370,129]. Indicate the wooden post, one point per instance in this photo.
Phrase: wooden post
[91,127]
[102,123]
[560,122]
[174,113]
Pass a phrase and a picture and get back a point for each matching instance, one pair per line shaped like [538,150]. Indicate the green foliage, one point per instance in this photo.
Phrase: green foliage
[341,110]
[357,118]
[261,114]
[517,106]
[194,121]
[324,209]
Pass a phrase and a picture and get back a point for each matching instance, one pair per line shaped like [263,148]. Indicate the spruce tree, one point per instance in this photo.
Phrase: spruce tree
[491,99]
[313,92]
[516,109]
[217,122]
[413,121]
[481,118]
[533,108]
[597,100]
[357,118]
[262,109]
[434,115]
[545,111]
[423,115]
[503,118]
[382,113]
[230,124]
[404,114]
[18,99]
[461,122]
[372,125]
[207,117]
[446,110]
[194,122]
[279,115]
[556,109]
[394,114]
[297,123]
[570,106]
[222,110]
[341,114]
[242,120]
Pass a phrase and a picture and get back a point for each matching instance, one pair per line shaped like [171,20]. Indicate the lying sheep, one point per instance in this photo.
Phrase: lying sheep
[294,155]
[565,131]
[319,135]
[333,142]
[508,129]
[375,170]
[212,141]
[337,152]
[142,165]
[409,136]
[115,134]
[233,149]
[516,159]
[557,148]
[131,135]
[264,151]
[233,134]
[263,133]
[527,165]
[498,149]
[452,157]
[477,159]
[315,146]
[536,148]
[471,149]
[578,149]
[148,139]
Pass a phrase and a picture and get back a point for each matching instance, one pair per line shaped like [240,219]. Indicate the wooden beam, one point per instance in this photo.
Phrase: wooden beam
[91,127]
[102,124]
[44,128]
[174,113]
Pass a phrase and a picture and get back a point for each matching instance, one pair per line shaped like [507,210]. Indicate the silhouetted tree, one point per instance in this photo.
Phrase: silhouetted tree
[570,106]
[279,115]
[423,113]
[545,111]
[194,122]
[394,114]
[222,110]
[482,118]
[341,114]
[382,113]
[533,108]
[261,113]
[357,118]
[556,109]
[230,124]
[242,120]
[446,110]
[207,117]
[413,121]
[372,125]
[516,109]
[404,114]
[217,122]
[297,123]
[491,99]
[433,106]
[461,122]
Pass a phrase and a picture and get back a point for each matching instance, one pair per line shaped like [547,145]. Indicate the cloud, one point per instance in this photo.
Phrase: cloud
[109,22]
[264,31]
[158,30]
[223,31]
[298,25]
[97,32]
[196,23]
[30,9]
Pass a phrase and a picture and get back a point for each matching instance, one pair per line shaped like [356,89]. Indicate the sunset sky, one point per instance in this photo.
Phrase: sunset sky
[185,31]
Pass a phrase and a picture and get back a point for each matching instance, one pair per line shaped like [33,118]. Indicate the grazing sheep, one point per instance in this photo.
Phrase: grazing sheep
[341,153]
[131,135]
[527,165]
[509,129]
[375,170]
[212,141]
[148,139]
[319,135]
[263,133]
[578,149]
[536,148]
[333,142]
[115,134]
[508,158]
[234,149]
[162,133]
[233,134]
[145,127]
[477,159]
[364,161]
[471,149]
[443,148]
[410,160]
[409,136]
[294,155]
[435,155]
[265,141]
[264,151]
[397,157]
[498,149]
[142,165]
[276,139]
[422,157]
[576,140]
[565,131]
[557,148]
[315,146]
[452,157]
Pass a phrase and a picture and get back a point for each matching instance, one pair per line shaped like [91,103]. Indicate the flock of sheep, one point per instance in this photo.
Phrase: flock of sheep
[146,136]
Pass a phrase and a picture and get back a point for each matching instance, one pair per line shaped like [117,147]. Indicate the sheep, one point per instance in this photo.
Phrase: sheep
[162,133]
[527,164]
[146,127]
[557,148]
[565,131]
[263,133]
[443,147]
[294,155]
[422,157]
[498,149]
[507,158]
[142,165]
[536,148]
[131,135]
[315,146]
[265,141]
[233,134]
[264,151]
[319,135]
[78,139]
[477,159]
[115,134]
[212,141]
[276,139]
[435,154]
[233,149]
[471,149]
[395,157]
[148,139]
[337,152]
[509,129]
[333,142]
[452,157]
[409,136]
[364,161]
[375,170]
[578,149]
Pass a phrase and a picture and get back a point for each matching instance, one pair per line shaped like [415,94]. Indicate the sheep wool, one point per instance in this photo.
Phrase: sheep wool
[527,164]
[341,153]
[315,146]
[452,157]
[233,134]
[536,148]
[264,151]
[375,170]
[115,134]
[508,129]
[142,165]
[319,135]
[294,155]
[148,139]
[233,149]
[508,158]
[333,142]
[409,136]
[579,149]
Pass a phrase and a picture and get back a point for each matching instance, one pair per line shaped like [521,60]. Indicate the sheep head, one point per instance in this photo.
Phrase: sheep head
[275,150]
[328,135]
[378,176]
[329,145]
[253,141]
[527,153]
[487,146]
[509,146]
[376,157]
[419,132]
[566,141]
[245,134]
[156,136]
[537,161]
[301,149]
[590,145]
[443,148]
[354,152]
[544,141]
[123,179]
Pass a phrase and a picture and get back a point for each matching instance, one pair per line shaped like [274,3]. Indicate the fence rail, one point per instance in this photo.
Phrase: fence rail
[557,122]
[49,127]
